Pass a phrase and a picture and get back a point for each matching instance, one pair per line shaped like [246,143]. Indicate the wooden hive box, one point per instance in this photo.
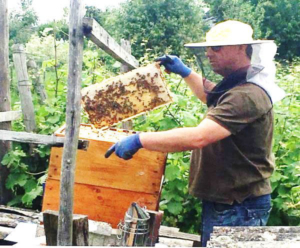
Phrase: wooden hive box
[105,188]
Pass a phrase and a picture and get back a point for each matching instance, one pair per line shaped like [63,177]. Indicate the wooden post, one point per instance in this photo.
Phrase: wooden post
[19,58]
[5,195]
[80,229]
[125,44]
[64,236]
[36,78]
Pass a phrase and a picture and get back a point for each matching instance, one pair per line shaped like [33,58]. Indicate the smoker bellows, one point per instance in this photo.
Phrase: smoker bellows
[125,96]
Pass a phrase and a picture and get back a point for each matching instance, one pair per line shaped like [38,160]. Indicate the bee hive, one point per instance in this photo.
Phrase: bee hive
[104,188]
[125,96]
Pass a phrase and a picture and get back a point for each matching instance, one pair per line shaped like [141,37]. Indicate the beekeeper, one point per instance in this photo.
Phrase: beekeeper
[232,161]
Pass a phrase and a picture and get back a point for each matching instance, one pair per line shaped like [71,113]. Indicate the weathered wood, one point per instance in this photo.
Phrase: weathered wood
[64,236]
[5,231]
[10,116]
[99,203]
[80,229]
[154,226]
[170,232]
[19,58]
[50,140]
[5,194]
[36,79]
[103,40]
[169,242]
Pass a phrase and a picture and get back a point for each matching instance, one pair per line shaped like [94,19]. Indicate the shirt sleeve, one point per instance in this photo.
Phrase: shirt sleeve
[239,107]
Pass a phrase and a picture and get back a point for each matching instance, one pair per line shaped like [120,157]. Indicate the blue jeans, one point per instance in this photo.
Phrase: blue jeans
[251,212]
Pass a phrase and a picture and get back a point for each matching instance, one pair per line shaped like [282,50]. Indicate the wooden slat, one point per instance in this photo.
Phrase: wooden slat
[171,232]
[98,203]
[19,58]
[143,173]
[10,116]
[65,218]
[51,140]
[5,194]
[102,39]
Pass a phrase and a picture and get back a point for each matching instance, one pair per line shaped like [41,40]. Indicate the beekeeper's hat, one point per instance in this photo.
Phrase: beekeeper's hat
[228,33]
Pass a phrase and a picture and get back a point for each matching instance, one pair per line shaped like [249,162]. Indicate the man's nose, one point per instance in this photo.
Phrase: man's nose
[208,52]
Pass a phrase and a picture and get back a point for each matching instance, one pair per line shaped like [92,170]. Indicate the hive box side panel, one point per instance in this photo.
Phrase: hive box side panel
[143,173]
[98,203]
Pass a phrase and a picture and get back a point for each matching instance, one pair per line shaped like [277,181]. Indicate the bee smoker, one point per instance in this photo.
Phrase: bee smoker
[135,227]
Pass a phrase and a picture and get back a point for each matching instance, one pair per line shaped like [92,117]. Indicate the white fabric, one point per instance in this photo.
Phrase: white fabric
[263,57]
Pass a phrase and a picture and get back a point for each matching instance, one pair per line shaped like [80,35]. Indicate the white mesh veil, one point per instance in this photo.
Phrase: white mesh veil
[263,58]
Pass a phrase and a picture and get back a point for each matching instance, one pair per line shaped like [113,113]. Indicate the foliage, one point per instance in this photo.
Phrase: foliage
[240,10]
[286,179]
[278,20]
[22,23]
[159,26]
[282,23]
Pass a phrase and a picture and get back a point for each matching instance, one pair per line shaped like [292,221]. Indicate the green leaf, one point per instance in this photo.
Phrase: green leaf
[30,185]
[15,201]
[174,207]
[172,172]
[16,179]
[189,119]
[167,124]
[30,196]
[53,119]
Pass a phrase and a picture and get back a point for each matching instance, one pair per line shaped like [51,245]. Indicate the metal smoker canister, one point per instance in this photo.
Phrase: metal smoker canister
[135,228]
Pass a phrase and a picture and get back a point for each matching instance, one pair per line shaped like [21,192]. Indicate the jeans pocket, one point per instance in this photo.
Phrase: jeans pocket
[259,215]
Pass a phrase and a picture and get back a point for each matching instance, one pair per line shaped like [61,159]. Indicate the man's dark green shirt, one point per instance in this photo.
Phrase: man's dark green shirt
[240,165]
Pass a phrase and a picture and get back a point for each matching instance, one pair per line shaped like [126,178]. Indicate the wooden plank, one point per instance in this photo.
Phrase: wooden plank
[102,39]
[80,229]
[143,173]
[10,116]
[19,59]
[5,194]
[174,233]
[65,230]
[51,140]
[175,242]
[99,203]
[5,231]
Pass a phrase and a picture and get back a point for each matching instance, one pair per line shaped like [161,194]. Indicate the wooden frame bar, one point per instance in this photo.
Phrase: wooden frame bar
[51,140]
[65,218]
[102,39]
[10,116]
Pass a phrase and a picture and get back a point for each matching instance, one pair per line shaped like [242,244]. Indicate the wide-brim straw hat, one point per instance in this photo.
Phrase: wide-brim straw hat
[228,33]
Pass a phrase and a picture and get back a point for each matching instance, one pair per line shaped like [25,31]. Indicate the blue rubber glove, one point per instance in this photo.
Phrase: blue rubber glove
[175,65]
[126,147]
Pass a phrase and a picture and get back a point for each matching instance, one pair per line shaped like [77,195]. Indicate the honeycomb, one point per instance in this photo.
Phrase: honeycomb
[125,96]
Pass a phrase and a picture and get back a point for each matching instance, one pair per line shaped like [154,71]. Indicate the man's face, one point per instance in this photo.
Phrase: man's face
[226,59]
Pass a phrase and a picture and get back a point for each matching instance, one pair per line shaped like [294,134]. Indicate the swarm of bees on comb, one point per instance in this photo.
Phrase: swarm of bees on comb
[125,96]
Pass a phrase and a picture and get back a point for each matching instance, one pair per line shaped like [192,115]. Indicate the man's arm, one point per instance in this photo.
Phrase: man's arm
[196,83]
[183,139]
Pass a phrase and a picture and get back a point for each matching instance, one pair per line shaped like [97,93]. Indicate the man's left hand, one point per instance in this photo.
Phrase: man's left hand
[126,147]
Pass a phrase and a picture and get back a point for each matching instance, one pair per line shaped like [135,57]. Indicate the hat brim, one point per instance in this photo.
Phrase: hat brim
[209,44]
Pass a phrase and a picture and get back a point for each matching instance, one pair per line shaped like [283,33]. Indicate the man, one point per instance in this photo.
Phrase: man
[231,161]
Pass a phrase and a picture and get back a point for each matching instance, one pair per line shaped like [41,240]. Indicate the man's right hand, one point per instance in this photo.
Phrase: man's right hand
[175,65]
